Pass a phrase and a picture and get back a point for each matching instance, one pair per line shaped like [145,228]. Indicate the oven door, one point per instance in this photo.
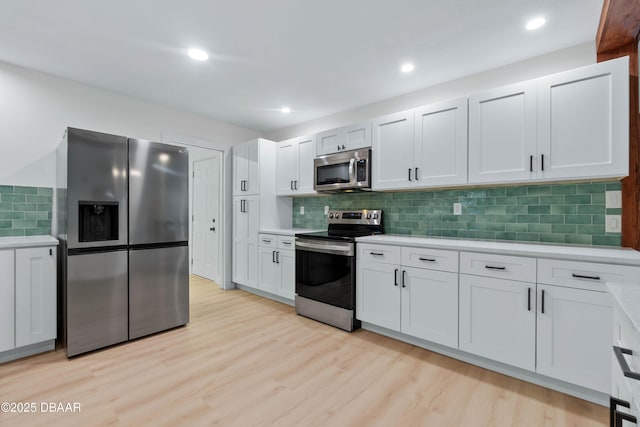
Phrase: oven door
[326,271]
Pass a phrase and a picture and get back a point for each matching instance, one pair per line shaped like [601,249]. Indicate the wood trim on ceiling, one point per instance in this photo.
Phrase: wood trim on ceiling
[619,24]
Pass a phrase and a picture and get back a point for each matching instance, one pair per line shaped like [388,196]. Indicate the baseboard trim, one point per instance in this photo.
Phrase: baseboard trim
[264,294]
[29,350]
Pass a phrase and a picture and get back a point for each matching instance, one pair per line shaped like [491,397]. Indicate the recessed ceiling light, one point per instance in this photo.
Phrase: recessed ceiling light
[285,110]
[407,67]
[535,23]
[198,54]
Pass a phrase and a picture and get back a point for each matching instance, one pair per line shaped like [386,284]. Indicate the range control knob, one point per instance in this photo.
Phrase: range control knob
[375,216]
[330,214]
[368,216]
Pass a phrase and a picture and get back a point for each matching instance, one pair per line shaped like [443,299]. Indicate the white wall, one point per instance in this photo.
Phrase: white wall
[35,108]
[562,60]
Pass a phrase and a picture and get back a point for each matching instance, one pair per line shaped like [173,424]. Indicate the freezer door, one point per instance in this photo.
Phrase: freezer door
[96,301]
[97,189]
[158,193]
[158,289]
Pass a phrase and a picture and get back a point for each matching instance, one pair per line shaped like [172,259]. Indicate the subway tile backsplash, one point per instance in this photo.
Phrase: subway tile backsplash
[546,213]
[25,211]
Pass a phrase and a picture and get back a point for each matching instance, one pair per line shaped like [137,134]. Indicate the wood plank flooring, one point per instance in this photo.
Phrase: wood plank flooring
[247,361]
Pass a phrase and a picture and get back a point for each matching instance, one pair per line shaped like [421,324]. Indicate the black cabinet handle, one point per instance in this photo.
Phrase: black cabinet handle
[295,185]
[277,257]
[409,174]
[286,243]
[530,163]
[613,410]
[273,256]
[582,276]
[376,253]
[542,305]
[528,299]
[404,276]
[542,161]
[427,259]
[395,277]
[416,174]
[266,240]
[493,267]
[50,252]
[291,185]
[620,352]
[338,148]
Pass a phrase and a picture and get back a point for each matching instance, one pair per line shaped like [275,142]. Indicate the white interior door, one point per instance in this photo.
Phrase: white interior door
[207,229]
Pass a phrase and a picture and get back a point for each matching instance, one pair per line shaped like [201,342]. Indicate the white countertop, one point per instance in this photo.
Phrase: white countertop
[27,242]
[627,297]
[288,231]
[624,256]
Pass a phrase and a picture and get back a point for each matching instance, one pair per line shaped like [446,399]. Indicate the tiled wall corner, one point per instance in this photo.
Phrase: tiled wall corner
[547,213]
[25,211]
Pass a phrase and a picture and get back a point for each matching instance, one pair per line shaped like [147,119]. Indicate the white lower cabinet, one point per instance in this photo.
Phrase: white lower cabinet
[574,329]
[498,320]
[415,301]
[28,301]
[246,222]
[35,295]
[277,263]
[7,300]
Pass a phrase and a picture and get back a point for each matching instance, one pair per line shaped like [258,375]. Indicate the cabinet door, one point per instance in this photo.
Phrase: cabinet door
[497,321]
[7,300]
[287,167]
[575,335]
[441,143]
[252,185]
[252,209]
[306,155]
[269,270]
[240,235]
[287,264]
[357,135]
[393,157]
[583,122]
[502,134]
[35,295]
[378,294]
[329,141]
[430,305]
[240,168]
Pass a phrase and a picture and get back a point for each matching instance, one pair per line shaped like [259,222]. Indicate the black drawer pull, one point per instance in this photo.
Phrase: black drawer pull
[266,240]
[620,352]
[376,253]
[582,276]
[286,243]
[493,267]
[427,259]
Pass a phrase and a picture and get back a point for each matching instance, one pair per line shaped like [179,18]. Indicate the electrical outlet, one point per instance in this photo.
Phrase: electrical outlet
[613,224]
[457,208]
[326,210]
[613,199]
[301,210]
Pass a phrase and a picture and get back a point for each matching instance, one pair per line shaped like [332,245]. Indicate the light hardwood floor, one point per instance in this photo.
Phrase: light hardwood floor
[247,361]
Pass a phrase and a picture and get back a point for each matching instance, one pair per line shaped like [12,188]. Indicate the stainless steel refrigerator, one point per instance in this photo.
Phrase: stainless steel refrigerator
[122,207]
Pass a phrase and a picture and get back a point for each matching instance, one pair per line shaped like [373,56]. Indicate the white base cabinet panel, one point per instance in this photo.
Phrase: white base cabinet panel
[277,269]
[35,295]
[7,300]
[377,294]
[498,320]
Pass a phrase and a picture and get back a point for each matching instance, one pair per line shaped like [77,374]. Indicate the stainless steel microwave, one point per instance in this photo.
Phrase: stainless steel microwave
[344,171]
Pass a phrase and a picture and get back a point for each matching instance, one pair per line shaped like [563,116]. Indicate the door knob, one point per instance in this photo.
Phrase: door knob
[212,229]
[213,220]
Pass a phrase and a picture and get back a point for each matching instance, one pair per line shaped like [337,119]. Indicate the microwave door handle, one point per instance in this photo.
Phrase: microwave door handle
[352,171]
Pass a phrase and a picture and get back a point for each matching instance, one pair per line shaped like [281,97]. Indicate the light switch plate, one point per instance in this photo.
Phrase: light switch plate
[613,199]
[613,224]
[457,208]
[301,210]
[326,210]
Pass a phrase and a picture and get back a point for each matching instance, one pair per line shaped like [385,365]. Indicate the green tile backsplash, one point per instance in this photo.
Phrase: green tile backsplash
[25,211]
[548,213]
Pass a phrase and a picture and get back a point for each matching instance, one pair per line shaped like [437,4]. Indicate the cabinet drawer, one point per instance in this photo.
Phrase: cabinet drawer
[286,242]
[431,259]
[268,240]
[379,253]
[501,266]
[584,275]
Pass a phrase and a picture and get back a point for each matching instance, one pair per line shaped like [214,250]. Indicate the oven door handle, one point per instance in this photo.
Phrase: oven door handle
[334,248]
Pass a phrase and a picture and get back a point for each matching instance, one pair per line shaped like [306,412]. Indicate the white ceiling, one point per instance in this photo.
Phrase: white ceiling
[318,57]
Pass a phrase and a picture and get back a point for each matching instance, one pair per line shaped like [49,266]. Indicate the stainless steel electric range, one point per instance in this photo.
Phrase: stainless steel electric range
[326,267]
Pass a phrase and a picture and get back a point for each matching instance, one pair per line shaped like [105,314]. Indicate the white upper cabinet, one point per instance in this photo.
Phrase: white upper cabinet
[392,142]
[502,134]
[346,138]
[583,129]
[294,161]
[246,170]
[570,125]
[441,144]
